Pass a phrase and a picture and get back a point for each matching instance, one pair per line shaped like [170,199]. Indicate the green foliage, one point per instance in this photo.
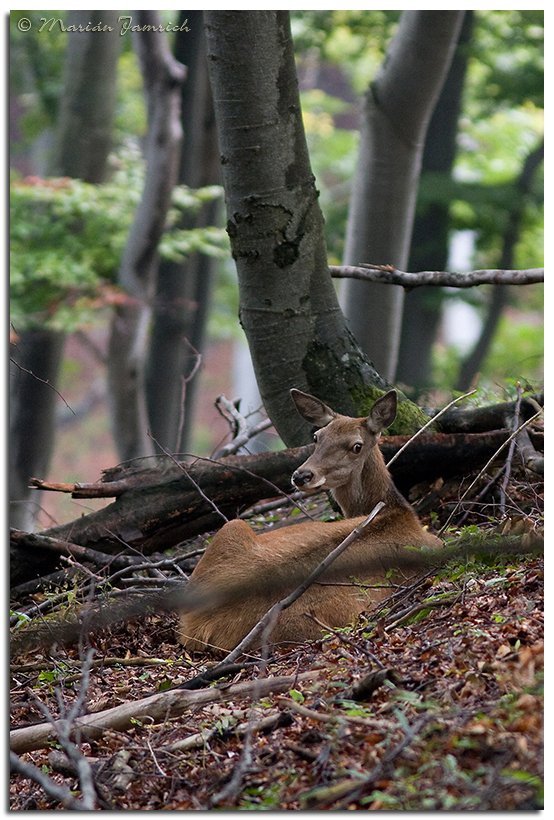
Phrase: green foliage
[355,39]
[516,354]
[508,59]
[67,237]
[502,122]
[333,153]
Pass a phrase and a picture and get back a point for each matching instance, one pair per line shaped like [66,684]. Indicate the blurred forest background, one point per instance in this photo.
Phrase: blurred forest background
[480,205]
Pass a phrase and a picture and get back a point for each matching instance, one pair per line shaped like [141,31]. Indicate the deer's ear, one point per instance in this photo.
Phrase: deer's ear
[312,409]
[383,412]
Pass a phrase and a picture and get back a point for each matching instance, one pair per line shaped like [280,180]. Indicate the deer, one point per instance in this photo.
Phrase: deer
[242,574]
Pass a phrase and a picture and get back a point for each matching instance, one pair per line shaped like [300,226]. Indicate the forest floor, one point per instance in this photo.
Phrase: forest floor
[434,701]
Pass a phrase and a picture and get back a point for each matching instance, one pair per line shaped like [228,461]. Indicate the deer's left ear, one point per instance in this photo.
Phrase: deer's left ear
[312,409]
[383,412]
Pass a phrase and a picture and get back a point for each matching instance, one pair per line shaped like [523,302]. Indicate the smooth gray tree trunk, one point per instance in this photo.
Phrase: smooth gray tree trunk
[430,236]
[288,306]
[80,150]
[183,289]
[397,107]
[130,328]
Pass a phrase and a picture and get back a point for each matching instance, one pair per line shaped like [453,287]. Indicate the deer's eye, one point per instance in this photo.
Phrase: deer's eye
[357,448]
[315,437]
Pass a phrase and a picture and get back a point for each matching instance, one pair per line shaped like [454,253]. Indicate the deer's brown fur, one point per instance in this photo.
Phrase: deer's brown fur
[245,574]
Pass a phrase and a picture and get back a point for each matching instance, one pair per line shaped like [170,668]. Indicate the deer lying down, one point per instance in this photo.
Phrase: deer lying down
[248,573]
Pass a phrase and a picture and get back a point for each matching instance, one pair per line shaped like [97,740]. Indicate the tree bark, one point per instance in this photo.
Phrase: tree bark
[430,235]
[397,108]
[288,307]
[81,146]
[183,290]
[163,76]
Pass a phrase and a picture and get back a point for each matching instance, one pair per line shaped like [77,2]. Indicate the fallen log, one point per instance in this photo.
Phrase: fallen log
[167,506]
[156,707]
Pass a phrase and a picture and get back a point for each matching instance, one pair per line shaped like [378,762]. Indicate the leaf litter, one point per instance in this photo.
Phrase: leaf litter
[435,703]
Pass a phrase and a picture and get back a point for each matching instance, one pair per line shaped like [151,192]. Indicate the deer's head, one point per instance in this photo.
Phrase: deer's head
[345,447]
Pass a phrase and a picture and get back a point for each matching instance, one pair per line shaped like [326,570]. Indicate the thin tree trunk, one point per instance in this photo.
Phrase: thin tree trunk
[429,245]
[183,290]
[85,125]
[295,328]
[81,146]
[397,108]
[163,76]
[500,295]
[36,363]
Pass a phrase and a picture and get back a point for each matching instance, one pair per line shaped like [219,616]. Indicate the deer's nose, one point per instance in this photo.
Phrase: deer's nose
[301,478]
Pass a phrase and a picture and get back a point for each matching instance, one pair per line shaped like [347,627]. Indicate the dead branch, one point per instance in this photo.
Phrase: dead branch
[60,793]
[270,720]
[532,460]
[164,507]
[243,432]
[386,726]
[487,465]
[387,275]
[156,707]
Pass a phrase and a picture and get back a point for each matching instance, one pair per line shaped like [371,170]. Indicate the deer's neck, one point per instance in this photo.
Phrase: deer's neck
[372,485]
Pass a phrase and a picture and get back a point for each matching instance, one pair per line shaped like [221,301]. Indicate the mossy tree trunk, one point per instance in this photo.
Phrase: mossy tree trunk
[295,328]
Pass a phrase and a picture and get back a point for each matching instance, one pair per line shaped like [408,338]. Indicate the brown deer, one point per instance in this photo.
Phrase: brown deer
[245,574]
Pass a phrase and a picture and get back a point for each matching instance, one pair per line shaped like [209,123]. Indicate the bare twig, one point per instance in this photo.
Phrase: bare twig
[185,472]
[65,727]
[243,432]
[185,381]
[44,381]
[514,425]
[487,465]
[428,424]
[60,793]
[387,275]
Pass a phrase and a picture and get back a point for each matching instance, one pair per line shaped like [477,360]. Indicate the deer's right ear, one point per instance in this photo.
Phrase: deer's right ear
[312,409]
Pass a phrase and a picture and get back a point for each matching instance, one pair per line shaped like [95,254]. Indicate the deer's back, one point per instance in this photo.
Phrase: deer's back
[250,573]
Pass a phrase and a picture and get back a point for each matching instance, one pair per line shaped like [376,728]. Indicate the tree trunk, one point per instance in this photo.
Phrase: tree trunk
[429,245]
[397,108]
[32,418]
[163,76]
[81,146]
[85,124]
[295,328]
[183,290]
[500,295]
